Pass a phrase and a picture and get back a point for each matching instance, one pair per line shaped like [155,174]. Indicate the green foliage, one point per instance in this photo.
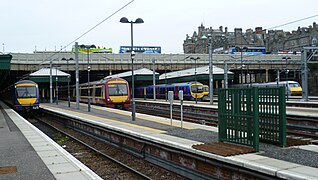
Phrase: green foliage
[61,139]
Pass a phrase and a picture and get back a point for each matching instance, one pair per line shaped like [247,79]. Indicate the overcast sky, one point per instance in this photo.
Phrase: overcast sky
[49,25]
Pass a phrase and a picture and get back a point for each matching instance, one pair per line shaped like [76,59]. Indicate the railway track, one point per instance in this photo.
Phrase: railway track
[301,127]
[108,162]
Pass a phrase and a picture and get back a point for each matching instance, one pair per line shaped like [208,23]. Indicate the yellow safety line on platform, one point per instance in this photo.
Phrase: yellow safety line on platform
[166,122]
[110,120]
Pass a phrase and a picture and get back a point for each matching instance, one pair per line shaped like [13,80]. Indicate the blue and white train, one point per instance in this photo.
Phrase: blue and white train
[191,91]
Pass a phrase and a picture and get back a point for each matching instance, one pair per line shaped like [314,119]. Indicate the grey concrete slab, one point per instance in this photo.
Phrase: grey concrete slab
[16,151]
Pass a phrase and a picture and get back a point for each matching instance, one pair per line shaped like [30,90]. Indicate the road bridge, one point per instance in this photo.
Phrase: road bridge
[261,66]
[101,61]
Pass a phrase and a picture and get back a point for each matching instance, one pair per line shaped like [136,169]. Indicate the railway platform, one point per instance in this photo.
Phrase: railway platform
[27,153]
[295,162]
[307,110]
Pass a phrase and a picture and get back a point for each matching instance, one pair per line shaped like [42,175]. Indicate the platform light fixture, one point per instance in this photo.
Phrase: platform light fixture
[195,77]
[286,74]
[88,47]
[209,38]
[241,50]
[137,21]
[68,81]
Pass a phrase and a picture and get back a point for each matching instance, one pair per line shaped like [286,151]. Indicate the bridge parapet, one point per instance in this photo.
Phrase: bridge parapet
[43,59]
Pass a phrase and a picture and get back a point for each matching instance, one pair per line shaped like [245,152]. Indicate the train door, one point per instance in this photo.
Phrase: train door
[93,96]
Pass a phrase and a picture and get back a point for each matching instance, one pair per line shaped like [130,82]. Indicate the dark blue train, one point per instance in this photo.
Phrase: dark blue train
[23,96]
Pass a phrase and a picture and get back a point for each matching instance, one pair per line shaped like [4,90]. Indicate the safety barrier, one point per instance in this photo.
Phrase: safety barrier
[250,115]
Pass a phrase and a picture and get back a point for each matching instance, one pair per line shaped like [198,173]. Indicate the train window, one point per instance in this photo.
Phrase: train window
[98,92]
[117,90]
[26,92]
[91,90]
[294,84]
[84,92]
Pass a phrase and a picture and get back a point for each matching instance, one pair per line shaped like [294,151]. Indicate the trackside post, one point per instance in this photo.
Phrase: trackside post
[181,106]
[170,97]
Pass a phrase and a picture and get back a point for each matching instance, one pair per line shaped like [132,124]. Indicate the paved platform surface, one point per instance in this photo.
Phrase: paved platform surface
[287,163]
[296,111]
[26,153]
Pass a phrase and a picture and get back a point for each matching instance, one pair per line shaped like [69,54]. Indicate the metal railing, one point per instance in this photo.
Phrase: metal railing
[103,58]
[250,115]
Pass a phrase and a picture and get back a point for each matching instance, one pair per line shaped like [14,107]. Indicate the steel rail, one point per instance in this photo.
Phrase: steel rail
[141,175]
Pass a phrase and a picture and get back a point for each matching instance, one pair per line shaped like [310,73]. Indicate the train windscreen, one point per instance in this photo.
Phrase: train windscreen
[117,90]
[294,84]
[206,88]
[26,92]
[197,89]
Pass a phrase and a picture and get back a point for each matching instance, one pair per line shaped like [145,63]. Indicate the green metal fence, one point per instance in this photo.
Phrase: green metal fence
[272,115]
[248,115]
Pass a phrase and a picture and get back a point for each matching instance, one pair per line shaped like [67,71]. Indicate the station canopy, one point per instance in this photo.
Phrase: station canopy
[43,75]
[142,74]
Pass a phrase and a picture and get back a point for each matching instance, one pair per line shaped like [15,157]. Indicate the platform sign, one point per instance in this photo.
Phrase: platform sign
[170,96]
[180,95]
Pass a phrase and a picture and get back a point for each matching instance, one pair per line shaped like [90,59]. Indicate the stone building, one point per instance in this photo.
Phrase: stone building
[273,40]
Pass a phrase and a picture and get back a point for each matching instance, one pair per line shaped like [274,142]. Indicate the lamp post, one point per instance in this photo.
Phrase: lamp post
[210,69]
[195,77]
[68,82]
[286,74]
[154,79]
[225,75]
[286,69]
[51,86]
[88,47]
[241,50]
[210,66]
[138,21]
[166,97]
[56,88]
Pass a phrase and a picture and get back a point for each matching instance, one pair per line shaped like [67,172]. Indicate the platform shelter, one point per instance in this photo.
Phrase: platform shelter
[42,78]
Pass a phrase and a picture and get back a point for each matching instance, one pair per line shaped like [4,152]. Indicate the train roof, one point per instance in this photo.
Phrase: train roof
[191,72]
[103,81]
[25,82]
[185,83]
[282,82]
[177,84]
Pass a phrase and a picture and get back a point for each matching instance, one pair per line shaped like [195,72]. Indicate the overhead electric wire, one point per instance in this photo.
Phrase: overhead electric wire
[238,58]
[49,58]
[294,21]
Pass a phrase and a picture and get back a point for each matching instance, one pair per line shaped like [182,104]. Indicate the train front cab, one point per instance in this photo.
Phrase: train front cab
[294,88]
[26,96]
[197,91]
[117,95]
